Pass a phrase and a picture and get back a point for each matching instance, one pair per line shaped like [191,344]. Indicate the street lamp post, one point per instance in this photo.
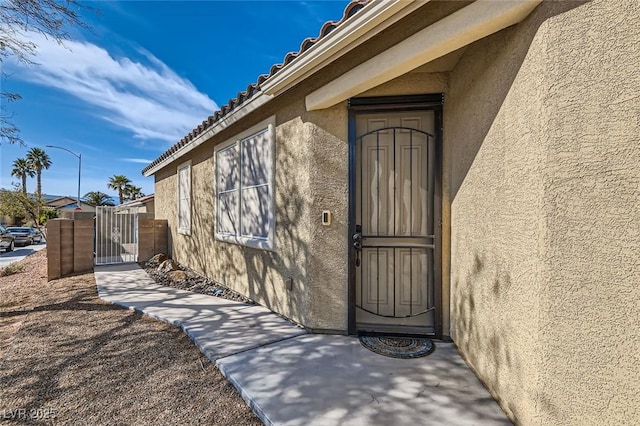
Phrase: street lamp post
[79,156]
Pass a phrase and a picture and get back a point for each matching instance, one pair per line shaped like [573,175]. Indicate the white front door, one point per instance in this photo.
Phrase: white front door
[395,231]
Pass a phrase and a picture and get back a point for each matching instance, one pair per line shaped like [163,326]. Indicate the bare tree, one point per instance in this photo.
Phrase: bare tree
[8,131]
[51,18]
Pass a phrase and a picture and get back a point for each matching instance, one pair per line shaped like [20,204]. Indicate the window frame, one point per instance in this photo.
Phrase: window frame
[187,165]
[267,243]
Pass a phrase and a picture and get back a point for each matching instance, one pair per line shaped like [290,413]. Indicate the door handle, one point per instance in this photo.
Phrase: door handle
[357,238]
[357,243]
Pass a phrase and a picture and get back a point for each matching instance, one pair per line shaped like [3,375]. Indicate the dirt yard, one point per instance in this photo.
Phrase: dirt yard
[66,357]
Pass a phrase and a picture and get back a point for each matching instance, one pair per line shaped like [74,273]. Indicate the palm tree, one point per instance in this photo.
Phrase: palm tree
[38,159]
[132,192]
[119,183]
[97,198]
[22,169]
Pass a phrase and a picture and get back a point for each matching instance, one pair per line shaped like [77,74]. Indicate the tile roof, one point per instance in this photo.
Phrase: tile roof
[60,201]
[351,9]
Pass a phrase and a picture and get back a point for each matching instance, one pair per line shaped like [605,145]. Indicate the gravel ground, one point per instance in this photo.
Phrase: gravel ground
[66,357]
[193,282]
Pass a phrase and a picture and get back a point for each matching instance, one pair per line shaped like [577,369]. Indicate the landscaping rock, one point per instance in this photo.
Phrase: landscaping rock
[157,259]
[177,275]
[168,266]
[187,279]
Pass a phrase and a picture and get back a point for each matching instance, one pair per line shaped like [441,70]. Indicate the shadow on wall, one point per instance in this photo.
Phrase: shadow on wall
[482,291]
[495,341]
[498,74]
[264,271]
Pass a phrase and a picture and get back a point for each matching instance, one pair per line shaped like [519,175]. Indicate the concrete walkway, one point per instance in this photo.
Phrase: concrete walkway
[289,377]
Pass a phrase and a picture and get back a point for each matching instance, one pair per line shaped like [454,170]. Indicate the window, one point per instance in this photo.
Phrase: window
[184,198]
[244,183]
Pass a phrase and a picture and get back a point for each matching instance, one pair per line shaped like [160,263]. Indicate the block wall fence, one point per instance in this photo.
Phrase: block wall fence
[70,243]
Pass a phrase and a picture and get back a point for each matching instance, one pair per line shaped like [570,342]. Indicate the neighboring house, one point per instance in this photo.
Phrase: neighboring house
[57,203]
[8,220]
[457,169]
[143,204]
[68,204]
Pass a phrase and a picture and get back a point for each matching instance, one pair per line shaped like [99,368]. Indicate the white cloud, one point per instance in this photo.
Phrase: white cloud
[56,185]
[136,160]
[145,97]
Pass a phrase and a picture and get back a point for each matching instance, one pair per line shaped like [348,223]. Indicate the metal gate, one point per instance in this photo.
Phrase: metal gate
[116,235]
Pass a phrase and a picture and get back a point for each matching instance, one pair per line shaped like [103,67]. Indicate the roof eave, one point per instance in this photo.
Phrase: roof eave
[243,110]
[377,16]
[463,27]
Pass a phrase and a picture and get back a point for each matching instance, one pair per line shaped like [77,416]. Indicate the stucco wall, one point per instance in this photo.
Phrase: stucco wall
[541,189]
[311,176]
[328,245]
[493,153]
[593,208]
[259,274]
[541,151]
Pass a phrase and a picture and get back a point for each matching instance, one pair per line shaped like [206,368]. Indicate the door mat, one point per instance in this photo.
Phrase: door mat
[398,347]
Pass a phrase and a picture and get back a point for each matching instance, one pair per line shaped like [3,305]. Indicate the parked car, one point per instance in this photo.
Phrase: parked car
[37,235]
[24,236]
[6,240]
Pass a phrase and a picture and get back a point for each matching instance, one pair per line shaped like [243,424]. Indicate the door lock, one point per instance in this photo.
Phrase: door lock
[357,243]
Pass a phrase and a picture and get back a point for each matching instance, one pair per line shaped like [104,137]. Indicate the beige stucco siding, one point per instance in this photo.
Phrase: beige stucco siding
[311,176]
[540,217]
[328,249]
[592,199]
[259,274]
[323,282]
[541,156]
[311,170]
[492,145]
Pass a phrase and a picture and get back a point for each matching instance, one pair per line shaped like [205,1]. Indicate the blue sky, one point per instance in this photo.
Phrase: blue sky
[142,77]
